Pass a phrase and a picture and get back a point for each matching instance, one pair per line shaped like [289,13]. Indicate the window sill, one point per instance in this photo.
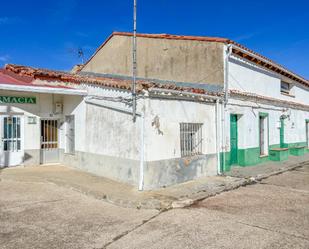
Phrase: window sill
[287,94]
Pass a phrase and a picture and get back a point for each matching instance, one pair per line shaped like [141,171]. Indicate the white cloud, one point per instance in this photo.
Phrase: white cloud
[4,20]
[4,58]
[247,36]
[63,10]
[81,34]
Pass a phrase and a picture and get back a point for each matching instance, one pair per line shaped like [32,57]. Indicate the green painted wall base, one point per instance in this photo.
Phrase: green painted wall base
[297,151]
[299,144]
[278,154]
[227,158]
[251,156]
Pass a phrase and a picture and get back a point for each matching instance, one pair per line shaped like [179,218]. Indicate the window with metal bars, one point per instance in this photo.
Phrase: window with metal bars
[191,139]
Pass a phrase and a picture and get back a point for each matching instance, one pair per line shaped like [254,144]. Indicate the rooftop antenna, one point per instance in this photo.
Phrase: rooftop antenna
[134,64]
[80,53]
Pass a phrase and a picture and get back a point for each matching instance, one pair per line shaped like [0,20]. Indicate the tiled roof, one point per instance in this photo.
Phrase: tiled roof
[269,99]
[267,63]
[113,82]
[176,37]
[24,75]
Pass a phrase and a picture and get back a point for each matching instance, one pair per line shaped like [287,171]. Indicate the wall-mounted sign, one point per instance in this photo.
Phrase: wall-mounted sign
[31,120]
[17,100]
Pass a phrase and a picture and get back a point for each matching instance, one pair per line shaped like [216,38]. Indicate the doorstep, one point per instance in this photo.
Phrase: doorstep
[297,151]
[279,154]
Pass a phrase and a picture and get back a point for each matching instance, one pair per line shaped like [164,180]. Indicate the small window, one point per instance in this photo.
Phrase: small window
[285,87]
[190,139]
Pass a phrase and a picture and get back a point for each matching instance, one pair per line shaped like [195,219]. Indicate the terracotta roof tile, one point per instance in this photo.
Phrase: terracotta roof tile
[15,73]
[10,78]
[176,37]
[270,99]
[118,83]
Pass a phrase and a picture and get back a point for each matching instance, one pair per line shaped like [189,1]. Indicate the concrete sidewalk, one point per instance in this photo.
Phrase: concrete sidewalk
[125,195]
[261,171]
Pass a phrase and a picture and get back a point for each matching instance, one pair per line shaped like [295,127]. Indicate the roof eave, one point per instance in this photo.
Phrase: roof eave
[260,60]
[40,89]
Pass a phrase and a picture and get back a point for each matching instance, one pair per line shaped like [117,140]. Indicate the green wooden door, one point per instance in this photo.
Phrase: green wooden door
[233,139]
[282,145]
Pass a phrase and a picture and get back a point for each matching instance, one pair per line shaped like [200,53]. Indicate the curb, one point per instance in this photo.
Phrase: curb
[164,202]
[188,202]
[184,202]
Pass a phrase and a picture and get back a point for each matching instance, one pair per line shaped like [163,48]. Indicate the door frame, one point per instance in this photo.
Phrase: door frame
[234,158]
[264,116]
[43,151]
[282,144]
[7,154]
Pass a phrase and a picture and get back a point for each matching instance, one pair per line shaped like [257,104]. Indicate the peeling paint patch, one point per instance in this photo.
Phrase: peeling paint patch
[156,124]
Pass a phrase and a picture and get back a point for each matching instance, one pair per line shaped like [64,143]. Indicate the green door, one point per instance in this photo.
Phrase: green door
[282,145]
[233,139]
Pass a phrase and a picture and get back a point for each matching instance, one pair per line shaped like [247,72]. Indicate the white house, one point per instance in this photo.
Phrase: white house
[204,104]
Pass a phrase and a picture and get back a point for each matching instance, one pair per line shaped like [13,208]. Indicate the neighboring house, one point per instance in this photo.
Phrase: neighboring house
[203,105]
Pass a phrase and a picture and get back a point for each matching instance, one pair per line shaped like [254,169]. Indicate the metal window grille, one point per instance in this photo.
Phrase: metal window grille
[190,139]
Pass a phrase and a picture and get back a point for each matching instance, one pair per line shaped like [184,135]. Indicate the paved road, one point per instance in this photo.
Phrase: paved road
[272,214]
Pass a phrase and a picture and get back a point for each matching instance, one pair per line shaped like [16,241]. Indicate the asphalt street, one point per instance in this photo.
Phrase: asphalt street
[270,214]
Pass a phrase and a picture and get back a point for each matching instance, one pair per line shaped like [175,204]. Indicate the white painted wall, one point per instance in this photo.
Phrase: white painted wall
[170,113]
[248,77]
[248,123]
[100,130]
[295,126]
[74,105]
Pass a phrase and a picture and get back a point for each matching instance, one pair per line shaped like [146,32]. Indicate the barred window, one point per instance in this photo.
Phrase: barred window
[190,139]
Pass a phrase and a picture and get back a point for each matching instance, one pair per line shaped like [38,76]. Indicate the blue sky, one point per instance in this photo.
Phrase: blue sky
[49,33]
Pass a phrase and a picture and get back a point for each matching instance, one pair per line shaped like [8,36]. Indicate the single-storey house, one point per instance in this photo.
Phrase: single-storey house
[204,104]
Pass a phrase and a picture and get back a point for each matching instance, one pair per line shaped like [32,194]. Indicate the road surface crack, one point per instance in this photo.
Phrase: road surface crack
[270,230]
[286,187]
[120,236]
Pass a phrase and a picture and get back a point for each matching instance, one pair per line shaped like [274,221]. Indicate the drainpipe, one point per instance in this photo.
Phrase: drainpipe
[226,78]
[225,101]
[223,134]
[134,64]
[142,150]
[218,138]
